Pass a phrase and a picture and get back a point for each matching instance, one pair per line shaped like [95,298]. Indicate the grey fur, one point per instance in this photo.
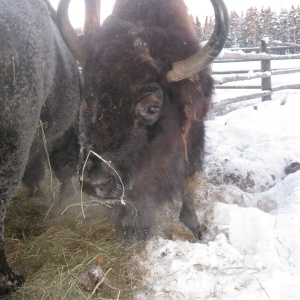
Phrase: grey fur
[38,81]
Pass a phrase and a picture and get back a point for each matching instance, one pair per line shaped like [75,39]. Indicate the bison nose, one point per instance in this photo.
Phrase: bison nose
[98,180]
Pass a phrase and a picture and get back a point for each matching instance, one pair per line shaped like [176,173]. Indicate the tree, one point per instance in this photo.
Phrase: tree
[283,21]
[198,29]
[234,33]
[267,25]
[247,30]
[208,28]
[251,26]
[294,20]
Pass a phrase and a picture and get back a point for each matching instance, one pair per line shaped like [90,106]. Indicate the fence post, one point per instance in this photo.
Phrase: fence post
[266,84]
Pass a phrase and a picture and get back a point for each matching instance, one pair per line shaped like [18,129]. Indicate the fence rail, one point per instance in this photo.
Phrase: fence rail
[236,56]
[266,73]
[274,47]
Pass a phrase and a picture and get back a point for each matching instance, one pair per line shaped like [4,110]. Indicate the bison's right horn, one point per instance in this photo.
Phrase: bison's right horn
[192,65]
[68,33]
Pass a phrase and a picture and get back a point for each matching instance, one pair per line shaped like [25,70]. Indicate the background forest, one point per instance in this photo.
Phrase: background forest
[248,28]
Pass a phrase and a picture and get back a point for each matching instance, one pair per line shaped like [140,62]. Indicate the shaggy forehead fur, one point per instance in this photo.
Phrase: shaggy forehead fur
[136,46]
[162,13]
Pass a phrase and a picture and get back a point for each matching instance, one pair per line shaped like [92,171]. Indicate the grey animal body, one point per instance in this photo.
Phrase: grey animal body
[38,87]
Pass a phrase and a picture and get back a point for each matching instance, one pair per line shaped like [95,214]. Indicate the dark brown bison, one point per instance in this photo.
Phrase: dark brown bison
[147,89]
[38,89]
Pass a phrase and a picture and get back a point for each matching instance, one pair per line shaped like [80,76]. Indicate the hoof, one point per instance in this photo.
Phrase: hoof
[10,282]
[198,234]
[35,192]
[66,190]
[130,234]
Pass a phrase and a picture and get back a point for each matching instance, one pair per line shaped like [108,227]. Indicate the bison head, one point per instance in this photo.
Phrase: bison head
[147,88]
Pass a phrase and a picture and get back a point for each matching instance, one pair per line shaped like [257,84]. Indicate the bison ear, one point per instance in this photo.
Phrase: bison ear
[148,107]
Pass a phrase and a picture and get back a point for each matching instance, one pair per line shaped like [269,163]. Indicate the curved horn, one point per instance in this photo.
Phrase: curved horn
[68,33]
[188,67]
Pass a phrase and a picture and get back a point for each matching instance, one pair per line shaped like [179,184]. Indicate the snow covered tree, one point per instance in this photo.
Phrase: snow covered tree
[284,30]
[294,19]
[208,28]
[198,28]
[251,26]
[242,36]
[247,29]
[234,33]
[267,25]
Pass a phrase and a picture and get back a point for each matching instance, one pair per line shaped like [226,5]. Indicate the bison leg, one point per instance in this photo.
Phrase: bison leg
[34,174]
[64,162]
[13,156]
[136,220]
[188,214]
[9,281]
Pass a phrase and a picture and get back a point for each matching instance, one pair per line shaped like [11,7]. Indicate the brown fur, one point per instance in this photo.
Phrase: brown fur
[129,58]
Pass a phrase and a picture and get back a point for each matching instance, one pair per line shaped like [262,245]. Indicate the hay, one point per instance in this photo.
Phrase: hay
[53,254]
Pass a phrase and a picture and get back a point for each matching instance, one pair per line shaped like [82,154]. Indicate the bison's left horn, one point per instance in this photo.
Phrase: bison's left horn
[68,33]
[188,67]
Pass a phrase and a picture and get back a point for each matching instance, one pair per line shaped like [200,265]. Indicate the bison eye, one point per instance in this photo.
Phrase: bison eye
[153,109]
[148,107]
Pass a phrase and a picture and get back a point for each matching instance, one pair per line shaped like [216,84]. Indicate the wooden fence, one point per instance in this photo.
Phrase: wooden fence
[266,73]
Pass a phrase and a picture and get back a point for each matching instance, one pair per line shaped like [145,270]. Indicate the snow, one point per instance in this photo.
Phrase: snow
[255,142]
[251,248]
[234,77]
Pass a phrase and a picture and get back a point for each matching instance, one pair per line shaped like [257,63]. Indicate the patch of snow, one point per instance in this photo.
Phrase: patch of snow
[252,245]
[252,147]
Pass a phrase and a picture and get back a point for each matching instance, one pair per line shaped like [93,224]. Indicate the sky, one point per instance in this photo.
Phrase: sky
[201,8]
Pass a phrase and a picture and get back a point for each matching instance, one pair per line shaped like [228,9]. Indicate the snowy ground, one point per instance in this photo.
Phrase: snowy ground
[251,249]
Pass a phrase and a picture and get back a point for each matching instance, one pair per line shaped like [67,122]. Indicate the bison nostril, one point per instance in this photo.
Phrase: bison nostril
[104,182]
[103,186]
[93,169]
[98,179]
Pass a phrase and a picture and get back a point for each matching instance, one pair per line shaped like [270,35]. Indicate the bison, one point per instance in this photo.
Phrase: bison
[39,89]
[63,159]
[147,89]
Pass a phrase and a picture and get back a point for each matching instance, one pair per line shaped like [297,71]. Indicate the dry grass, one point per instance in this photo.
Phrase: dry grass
[53,254]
